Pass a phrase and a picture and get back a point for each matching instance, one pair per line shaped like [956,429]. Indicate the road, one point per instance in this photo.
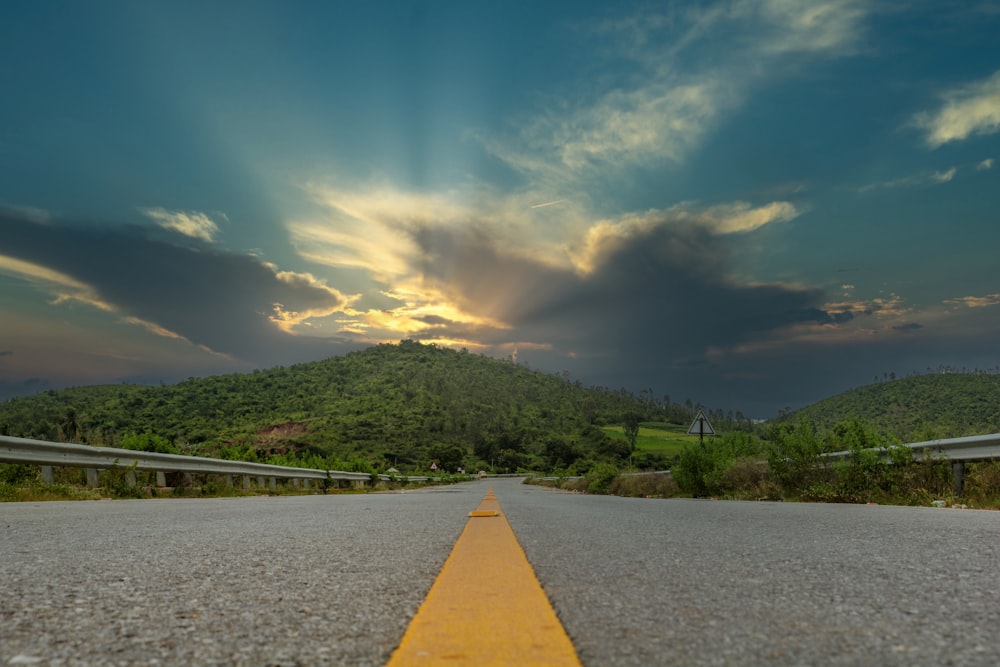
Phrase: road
[334,580]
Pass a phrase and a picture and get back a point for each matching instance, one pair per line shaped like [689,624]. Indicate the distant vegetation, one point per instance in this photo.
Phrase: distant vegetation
[405,406]
[922,407]
[782,459]
[389,406]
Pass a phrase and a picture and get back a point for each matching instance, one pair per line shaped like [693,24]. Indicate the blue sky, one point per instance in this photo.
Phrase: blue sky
[752,204]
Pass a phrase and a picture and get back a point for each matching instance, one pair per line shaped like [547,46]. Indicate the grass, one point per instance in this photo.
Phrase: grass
[23,483]
[658,437]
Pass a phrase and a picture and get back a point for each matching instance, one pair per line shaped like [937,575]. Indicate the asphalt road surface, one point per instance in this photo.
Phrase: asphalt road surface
[334,580]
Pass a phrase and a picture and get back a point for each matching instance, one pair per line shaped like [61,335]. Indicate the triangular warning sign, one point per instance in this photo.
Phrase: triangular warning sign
[701,425]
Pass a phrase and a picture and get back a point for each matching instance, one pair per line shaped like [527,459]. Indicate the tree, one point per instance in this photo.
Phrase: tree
[630,426]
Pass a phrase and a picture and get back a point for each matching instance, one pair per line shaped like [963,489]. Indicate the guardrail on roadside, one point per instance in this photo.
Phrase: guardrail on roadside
[958,451]
[969,448]
[50,455]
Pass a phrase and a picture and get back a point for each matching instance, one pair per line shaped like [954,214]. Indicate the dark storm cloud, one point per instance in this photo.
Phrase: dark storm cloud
[219,300]
[657,308]
[659,297]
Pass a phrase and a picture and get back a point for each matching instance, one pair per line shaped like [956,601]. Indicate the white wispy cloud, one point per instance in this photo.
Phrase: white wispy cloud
[289,318]
[970,109]
[194,224]
[668,103]
[832,26]
[62,287]
[985,165]
[65,289]
[914,180]
[944,176]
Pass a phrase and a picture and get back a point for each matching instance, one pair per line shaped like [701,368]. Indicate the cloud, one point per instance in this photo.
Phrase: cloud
[975,301]
[689,67]
[648,285]
[189,223]
[489,271]
[32,213]
[985,165]
[657,298]
[944,176]
[233,305]
[915,180]
[966,110]
[833,27]
[62,287]
[730,218]
[6,353]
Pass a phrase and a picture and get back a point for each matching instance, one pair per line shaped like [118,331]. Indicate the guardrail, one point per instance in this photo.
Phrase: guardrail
[957,450]
[49,455]
[969,448]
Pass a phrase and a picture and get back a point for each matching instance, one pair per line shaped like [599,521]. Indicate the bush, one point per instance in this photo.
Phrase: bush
[148,442]
[875,468]
[648,485]
[600,477]
[17,473]
[704,469]
[982,483]
[793,456]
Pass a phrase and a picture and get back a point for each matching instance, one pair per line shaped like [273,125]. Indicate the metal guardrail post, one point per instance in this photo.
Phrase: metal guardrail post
[958,477]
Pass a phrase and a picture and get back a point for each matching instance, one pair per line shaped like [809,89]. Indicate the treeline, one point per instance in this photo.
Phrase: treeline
[922,407]
[397,406]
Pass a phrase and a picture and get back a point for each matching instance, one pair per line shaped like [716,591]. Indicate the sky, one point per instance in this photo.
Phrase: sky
[751,204]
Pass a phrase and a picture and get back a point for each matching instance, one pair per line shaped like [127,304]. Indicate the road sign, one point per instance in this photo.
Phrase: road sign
[701,426]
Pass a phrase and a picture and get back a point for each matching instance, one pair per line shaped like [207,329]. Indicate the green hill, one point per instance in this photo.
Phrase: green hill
[922,407]
[397,406]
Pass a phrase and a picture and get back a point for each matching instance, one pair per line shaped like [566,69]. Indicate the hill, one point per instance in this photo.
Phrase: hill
[397,406]
[923,407]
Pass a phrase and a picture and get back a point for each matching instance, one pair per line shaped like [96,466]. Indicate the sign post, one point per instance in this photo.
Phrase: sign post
[701,427]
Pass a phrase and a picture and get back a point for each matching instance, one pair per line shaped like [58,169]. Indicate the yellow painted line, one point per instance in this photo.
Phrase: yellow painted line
[486,606]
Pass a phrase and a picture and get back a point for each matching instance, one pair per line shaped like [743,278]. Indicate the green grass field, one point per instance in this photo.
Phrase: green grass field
[657,437]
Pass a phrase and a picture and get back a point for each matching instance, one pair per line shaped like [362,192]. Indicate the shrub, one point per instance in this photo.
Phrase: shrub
[793,456]
[644,486]
[875,467]
[18,473]
[148,442]
[982,483]
[704,469]
[600,477]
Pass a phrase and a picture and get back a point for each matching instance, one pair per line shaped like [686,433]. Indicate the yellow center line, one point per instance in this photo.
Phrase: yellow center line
[486,606]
